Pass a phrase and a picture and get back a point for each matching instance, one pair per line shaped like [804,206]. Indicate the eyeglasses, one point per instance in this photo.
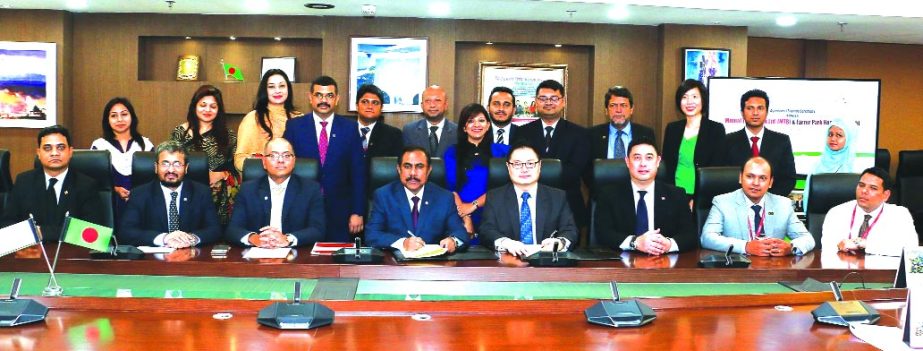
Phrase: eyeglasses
[553,99]
[322,96]
[369,102]
[275,156]
[174,164]
[527,164]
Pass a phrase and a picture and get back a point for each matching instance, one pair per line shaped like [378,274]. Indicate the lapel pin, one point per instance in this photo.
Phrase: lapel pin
[426,202]
[65,192]
[333,135]
[663,198]
[265,197]
[185,199]
[771,213]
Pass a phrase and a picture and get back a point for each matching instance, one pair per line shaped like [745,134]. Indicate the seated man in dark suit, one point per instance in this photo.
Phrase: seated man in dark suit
[378,139]
[755,140]
[410,213]
[526,212]
[280,210]
[608,140]
[627,219]
[170,211]
[54,190]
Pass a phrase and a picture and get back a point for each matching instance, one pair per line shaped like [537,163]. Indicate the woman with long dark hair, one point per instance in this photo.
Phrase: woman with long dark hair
[122,139]
[467,163]
[205,130]
[272,108]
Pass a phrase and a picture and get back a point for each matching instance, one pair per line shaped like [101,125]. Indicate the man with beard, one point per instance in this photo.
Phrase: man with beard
[755,140]
[170,211]
[609,140]
[411,213]
[502,107]
[434,132]
[49,192]
[378,139]
[333,141]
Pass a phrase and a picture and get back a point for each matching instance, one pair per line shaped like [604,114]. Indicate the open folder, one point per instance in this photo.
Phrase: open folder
[428,250]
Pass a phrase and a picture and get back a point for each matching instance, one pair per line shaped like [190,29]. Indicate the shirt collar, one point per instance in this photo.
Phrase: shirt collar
[532,190]
[626,130]
[317,119]
[759,135]
[635,188]
[273,185]
[441,124]
[410,194]
[553,125]
[874,212]
[167,191]
[59,177]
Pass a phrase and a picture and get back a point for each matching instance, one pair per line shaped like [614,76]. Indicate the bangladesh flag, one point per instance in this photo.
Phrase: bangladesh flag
[231,71]
[89,235]
[91,335]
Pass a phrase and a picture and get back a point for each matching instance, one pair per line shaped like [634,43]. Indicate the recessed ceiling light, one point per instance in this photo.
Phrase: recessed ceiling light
[618,12]
[489,43]
[232,37]
[77,4]
[277,38]
[187,38]
[439,9]
[319,6]
[786,21]
[558,45]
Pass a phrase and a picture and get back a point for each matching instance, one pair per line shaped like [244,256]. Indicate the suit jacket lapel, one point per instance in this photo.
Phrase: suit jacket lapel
[288,200]
[660,207]
[743,208]
[159,206]
[627,209]
[64,199]
[405,209]
[185,219]
[311,133]
[265,198]
[542,211]
[512,211]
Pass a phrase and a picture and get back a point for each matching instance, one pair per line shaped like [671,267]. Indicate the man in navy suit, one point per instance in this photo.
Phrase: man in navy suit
[525,212]
[434,133]
[334,142]
[411,213]
[49,192]
[170,211]
[755,140]
[502,107]
[378,138]
[279,210]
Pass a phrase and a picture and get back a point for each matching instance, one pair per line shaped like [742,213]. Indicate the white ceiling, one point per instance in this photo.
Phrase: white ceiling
[886,21]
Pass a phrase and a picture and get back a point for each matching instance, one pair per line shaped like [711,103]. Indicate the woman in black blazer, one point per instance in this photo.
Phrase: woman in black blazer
[693,142]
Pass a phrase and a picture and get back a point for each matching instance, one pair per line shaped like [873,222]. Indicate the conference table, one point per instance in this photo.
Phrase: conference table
[171,301]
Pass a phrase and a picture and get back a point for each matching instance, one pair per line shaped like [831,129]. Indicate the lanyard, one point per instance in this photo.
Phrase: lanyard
[867,230]
[759,229]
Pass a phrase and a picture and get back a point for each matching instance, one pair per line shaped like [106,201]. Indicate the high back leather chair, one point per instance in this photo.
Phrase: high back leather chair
[827,190]
[307,168]
[142,167]
[95,164]
[383,170]
[499,176]
[6,179]
[710,182]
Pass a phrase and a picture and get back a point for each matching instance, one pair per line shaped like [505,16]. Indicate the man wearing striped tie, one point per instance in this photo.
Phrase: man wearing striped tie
[502,107]
[525,216]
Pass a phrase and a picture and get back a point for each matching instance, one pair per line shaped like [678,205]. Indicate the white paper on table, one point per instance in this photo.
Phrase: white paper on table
[885,338]
[155,249]
[428,250]
[259,252]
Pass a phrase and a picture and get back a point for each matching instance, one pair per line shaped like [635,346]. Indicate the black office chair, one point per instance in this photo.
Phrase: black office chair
[142,167]
[711,182]
[499,176]
[383,170]
[95,164]
[307,168]
[6,180]
[910,163]
[827,190]
[883,159]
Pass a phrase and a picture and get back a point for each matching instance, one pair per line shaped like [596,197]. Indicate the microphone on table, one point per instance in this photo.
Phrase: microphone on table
[295,314]
[118,252]
[843,313]
[358,254]
[551,259]
[15,311]
[617,313]
[726,260]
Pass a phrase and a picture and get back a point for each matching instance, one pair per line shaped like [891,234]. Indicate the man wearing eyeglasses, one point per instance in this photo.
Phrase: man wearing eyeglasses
[170,211]
[378,138]
[280,210]
[523,217]
[47,193]
[434,133]
[332,140]
[555,137]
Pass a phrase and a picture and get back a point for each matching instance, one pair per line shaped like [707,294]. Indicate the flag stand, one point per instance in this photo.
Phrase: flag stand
[53,289]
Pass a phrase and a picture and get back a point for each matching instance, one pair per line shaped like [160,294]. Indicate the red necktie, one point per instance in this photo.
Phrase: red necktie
[322,143]
[754,147]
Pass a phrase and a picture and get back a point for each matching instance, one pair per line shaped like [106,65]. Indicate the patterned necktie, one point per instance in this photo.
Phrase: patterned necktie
[641,214]
[415,211]
[433,141]
[757,218]
[323,143]
[500,136]
[365,140]
[548,131]
[754,147]
[863,229]
[173,216]
[525,221]
[619,145]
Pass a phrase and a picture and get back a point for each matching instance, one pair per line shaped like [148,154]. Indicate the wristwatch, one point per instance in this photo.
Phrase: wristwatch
[634,243]
[476,205]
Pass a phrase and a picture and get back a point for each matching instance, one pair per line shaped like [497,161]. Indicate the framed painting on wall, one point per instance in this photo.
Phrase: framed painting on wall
[286,64]
[523,79]
[395,65]
[28,83]
[702,63]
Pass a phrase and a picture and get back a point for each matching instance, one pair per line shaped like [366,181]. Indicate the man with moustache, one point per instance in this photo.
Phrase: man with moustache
[610,139]
[170,211]
[410,213]
[280,210]
[49,192]
[502,107]
[378,139]
[434,132]
[755,140]
[332,140]
[753,221]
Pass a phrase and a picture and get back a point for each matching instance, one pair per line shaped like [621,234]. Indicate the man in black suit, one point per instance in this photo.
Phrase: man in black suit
[521,216]
[502,107]
[610,139]
[378,138]
[644,215]
[279,210]
[755,140]
[555,137]
[170,211]
[54,190]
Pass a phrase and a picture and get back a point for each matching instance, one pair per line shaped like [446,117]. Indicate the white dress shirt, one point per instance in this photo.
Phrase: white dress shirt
[159,239]
[759,143]
[893,231]
[649,199]
[59,185]
[317,126]
[277,201]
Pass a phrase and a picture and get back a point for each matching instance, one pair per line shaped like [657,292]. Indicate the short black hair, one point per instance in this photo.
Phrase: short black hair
[550,84]
[879,172]
[641,140]
[688,85]
[751,94]
[55,129]
[521,145]
[325,81]
[619,91]
[412,148]
[108,133]
[369,89]
[500,89]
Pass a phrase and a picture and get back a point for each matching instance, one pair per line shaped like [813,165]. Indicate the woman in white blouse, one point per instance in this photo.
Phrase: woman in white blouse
[122,140]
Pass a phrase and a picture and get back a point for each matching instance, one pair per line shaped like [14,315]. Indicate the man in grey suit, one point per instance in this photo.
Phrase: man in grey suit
[434,132]
[754,221]
[525,212]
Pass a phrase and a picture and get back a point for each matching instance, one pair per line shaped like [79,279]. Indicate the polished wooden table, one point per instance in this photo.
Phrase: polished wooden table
[633,267]
[694,323]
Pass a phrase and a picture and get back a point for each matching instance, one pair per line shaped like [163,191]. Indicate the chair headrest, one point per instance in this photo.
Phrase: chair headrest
[306,168]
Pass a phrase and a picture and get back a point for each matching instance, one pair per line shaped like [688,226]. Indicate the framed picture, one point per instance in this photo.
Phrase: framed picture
[522,78]
[396,65]
[28,83]
[286,64]
[702,63]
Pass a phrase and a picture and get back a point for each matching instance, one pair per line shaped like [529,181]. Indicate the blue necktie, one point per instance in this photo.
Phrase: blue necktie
[525,221]
[757,218]
[619,146]
[641,220]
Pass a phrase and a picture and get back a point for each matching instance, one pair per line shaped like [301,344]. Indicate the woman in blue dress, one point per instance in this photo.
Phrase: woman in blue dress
[122,139]
[467,164]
